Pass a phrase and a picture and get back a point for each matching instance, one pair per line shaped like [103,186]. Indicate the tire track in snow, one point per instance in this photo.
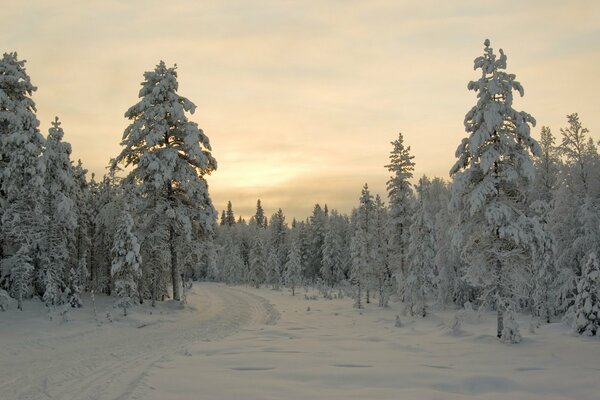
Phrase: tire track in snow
[110,363]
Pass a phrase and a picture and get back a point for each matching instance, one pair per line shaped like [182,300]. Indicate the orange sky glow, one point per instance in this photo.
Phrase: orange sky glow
[301,99]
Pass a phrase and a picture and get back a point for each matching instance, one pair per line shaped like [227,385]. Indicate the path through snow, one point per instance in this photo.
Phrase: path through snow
[42,359]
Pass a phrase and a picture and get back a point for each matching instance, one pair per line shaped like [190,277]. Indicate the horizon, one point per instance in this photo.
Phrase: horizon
[301,101]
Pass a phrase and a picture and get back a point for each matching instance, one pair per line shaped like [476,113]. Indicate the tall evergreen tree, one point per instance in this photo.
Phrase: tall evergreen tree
[169,156]
[293,267]
[399,191]
[259,217]
[21,179]
[491,178]
[361,246]
[61,214]
[229,215]
[421,254]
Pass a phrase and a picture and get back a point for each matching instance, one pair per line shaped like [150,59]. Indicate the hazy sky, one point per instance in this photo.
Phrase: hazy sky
[301,99]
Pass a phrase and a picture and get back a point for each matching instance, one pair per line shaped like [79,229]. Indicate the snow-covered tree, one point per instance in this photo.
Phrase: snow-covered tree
[259,217]
[258,261]
[336,252]
[278,246]
[169,156]
[21,179]
[380,268]
[491,179]
[61,215]
[361,246]
[125,268]
[587,302]
[399,191]
[417,284]
[547,167]
[19,268]
[293,267]
[574,147]
[316,234]
[229,215]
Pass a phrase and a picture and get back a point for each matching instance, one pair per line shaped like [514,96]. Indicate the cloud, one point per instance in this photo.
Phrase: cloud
[295,94]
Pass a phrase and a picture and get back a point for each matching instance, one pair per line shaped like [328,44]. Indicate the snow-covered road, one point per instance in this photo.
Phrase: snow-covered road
[42,359]
[231,343]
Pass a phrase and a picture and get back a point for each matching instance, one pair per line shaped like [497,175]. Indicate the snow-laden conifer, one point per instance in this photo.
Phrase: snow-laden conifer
[21,178]
[59,244]
[400,192]
[587,302]
[491,179]
[417,284]
[257,267]
[361,245]
[125,267]
[169,156]
[293,267]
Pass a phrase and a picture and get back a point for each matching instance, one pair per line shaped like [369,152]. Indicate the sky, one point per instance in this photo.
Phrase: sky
[301,99]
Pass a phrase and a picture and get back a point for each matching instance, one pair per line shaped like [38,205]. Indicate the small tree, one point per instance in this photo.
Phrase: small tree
[293,267]
[587,301]
[126,261]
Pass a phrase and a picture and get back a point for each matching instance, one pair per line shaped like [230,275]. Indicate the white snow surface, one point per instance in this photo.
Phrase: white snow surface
[237,342]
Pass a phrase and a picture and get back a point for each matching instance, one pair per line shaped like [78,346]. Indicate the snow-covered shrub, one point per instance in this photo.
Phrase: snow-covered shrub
[587,302]
[5,300]
[398,323]
[510,332]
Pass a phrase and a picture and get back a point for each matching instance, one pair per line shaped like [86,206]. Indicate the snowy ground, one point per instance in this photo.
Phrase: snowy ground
[232,343]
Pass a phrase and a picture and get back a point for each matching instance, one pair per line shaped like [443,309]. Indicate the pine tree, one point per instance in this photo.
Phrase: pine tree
[170,156]
[126,261]
[399,191]
[491,178]
[21,179]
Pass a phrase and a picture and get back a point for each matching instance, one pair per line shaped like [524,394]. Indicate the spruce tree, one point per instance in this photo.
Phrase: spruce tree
[491,179]
[420,255]
[399,191]
[587,303]
[361,246]
[293,267]
[61,216]
[21,179]
[229,215]
[169,156]
[125,268]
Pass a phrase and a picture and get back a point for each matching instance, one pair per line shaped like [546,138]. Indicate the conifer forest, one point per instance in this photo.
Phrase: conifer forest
[499,257]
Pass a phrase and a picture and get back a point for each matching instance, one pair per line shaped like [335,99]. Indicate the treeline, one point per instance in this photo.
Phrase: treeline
[62,234]
[517,228]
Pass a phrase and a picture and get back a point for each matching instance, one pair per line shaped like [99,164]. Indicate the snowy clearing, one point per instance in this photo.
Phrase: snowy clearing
[233,342]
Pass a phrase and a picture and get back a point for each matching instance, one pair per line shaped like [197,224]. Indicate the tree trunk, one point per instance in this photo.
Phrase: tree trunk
[174,268]
[499,305]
